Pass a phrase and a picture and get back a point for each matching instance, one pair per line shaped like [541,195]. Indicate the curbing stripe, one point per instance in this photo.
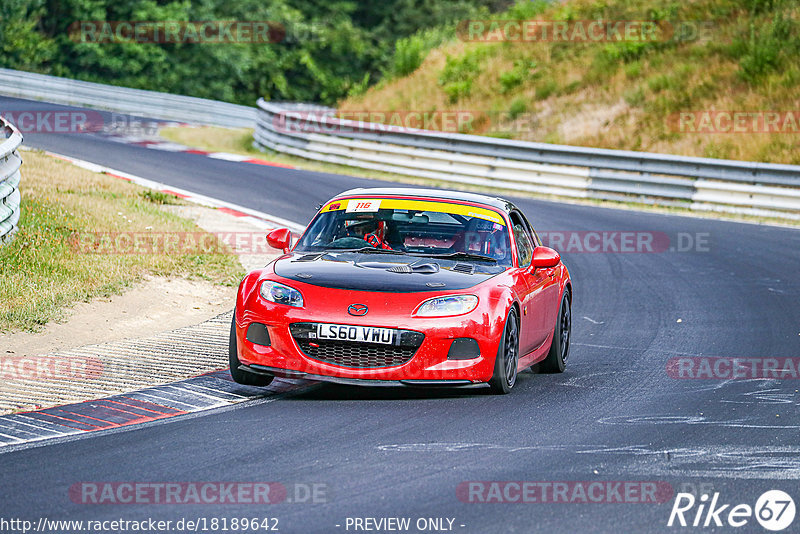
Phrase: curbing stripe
[256,161]
[197,394]
[169,146]
[228,156]
[233,212]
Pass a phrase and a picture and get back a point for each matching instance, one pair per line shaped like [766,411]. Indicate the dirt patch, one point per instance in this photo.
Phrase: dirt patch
[155,305]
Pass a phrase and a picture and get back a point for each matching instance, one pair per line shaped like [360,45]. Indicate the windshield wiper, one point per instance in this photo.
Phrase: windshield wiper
[463,256]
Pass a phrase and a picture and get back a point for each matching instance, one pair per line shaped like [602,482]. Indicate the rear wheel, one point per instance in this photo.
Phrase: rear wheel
[507,360]
[239,376]
[556,359]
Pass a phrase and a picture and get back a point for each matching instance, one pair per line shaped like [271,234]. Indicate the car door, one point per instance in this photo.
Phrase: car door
[531,287]
[546,280]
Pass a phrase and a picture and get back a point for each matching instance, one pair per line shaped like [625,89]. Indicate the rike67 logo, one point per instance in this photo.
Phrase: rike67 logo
[774,510]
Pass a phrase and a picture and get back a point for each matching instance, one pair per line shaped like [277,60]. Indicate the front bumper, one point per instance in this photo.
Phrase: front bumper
[286,373]
[429,364]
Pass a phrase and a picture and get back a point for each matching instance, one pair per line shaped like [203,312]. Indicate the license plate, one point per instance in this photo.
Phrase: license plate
[358,334]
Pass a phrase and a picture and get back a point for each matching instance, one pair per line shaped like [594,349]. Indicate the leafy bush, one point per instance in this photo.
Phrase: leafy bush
[510,80]
[157,197]
[455,91]
[633,70]
[522,71]
[410,52]
[458,73]
[546,89]
[526,9]
[624,51]
[766,47]
[659,82]
[760,6]
[408,55]
[518,107]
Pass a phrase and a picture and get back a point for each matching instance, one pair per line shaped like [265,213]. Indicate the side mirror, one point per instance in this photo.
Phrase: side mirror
[280,239]
[545,257]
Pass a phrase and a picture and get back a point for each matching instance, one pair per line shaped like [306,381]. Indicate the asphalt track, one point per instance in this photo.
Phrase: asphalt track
[615,415]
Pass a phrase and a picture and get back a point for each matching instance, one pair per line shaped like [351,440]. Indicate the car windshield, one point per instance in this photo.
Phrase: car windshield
[417,227]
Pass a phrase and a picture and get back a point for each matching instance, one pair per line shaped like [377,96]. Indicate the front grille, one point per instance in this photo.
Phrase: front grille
[358,355]
[354,354]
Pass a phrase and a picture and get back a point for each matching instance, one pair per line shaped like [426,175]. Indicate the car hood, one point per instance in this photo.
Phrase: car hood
[399,273]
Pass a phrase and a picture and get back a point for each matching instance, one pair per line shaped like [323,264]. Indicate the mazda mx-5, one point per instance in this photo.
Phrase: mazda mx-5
[401,286]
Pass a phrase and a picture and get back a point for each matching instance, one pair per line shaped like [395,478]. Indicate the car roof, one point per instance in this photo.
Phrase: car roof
[438,194]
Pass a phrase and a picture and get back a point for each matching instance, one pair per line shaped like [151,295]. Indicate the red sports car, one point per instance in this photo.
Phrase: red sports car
[405,286]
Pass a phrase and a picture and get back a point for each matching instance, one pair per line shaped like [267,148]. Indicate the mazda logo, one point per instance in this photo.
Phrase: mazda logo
[357,309]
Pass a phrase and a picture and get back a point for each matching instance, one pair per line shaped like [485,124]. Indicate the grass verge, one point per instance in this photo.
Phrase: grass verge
[42,272]
[653,95]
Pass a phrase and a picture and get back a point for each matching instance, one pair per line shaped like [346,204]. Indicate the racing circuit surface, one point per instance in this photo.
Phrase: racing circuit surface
[614,415]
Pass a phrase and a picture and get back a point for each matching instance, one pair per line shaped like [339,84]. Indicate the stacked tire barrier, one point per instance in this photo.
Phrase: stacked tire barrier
[10,176]
[150,104]
[312,132]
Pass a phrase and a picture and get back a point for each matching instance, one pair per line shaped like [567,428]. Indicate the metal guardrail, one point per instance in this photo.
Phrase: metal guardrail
[10,197]
[313,132]
[137,102]
[697,183]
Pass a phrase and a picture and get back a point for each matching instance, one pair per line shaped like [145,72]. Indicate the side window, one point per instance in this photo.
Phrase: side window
[531,231]
[523,239]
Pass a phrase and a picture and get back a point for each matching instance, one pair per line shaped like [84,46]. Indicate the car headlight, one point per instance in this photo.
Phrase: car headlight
[281,294]
[446,306]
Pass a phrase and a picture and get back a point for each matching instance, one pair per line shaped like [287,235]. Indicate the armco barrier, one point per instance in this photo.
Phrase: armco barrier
[10,176]
[566,171]
[138,102]
[698,183]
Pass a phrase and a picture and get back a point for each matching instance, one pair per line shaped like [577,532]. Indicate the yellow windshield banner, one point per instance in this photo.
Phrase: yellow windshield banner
[373,204]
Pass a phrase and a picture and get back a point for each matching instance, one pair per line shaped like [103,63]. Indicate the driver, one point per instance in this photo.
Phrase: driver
[372,231]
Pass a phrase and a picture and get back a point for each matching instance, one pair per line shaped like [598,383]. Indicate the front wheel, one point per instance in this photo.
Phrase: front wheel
[507,360]
[239,376]
[556,359]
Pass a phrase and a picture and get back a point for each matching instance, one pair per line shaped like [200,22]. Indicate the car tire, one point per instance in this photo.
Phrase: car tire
[507,360]
[239,376]
[556,360]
